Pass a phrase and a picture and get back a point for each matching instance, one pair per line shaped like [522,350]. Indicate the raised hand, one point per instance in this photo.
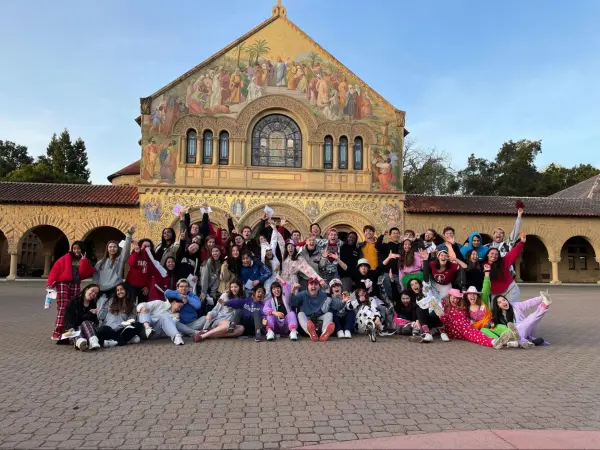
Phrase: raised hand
[283,221]
[423,254]
[295,287]
[523,237]
[520,212]
[487,267]
[132,229]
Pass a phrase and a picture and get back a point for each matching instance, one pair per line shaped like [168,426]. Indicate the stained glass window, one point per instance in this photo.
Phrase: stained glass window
[277,142]
[343,149]
[191,147]
[224,147]
[358,153]
[328,153]
[207,147]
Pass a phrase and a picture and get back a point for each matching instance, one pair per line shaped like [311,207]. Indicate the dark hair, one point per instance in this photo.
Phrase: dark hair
[497,315]
[407,258]
[410,292]
[124,305]
[297,231]
[369,227]
[448,229]
[79,244]
[394,228]
[247,253]
[409,232]
[276,284]
[411,306]
[495,267]
[141,242]
[163,241]
[234,264]
[313,224]
[210,262]
[470,265]
[294,256]
[168,258]
[240,293]
[81,295]
[438,266]
[247,227]
[348,235]
[106,256]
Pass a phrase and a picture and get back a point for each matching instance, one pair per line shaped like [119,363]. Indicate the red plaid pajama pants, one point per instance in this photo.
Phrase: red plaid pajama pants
[64,291]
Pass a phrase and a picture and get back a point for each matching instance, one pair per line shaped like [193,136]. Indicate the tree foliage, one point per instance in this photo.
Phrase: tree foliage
[64,162]
[12,157]
[427,172]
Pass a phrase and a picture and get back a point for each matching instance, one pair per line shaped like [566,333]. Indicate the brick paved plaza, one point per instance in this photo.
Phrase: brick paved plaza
[242,394]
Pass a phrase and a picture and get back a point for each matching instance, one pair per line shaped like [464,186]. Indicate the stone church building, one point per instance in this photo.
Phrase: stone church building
[275,120]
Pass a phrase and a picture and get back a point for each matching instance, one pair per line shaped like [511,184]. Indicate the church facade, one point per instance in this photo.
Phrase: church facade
[274,120]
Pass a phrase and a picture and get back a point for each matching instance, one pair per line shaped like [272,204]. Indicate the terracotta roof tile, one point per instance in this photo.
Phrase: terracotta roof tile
[535,206]
[68,194]
[132,169]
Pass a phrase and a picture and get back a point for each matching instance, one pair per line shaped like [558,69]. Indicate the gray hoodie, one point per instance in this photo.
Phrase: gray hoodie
[109,274]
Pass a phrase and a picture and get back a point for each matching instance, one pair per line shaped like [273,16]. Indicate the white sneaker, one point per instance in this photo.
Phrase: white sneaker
[347,334]
[427,337]
[340,334]
[527,345]
[149,332]
[270,335]
[512,344]
[134,340]
[81,344]
[444,337]
[293,335]
[501,341]
[546,299]
[54,338]
[110,343]
[178,340]
[94,343]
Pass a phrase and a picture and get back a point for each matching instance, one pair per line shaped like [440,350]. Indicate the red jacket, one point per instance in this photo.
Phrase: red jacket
[62,270]
[139,275]
[505,278]
[158,281]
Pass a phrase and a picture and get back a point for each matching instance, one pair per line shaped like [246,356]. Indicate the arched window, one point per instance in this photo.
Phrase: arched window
[358,153]
[343,152]
[207,150]
[191,147]
[276,142]
[328,153]
[224,147]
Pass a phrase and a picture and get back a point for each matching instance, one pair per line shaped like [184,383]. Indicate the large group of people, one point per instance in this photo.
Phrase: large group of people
[206,283]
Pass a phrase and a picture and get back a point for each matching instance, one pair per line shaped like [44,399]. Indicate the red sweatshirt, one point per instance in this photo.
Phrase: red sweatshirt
[62,270]
[505,278]
[139,275]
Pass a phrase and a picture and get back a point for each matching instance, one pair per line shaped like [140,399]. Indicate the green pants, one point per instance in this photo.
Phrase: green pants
[494,332]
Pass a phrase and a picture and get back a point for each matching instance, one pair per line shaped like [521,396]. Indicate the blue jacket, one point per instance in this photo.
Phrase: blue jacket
[481,250]
[311,305]
[257,271]
[188,312]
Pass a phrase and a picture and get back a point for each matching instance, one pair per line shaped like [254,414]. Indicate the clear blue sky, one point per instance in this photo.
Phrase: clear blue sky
[470,74]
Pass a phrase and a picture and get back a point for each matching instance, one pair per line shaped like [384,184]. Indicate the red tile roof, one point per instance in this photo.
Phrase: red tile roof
[68,194]
[132,169]
[535,206]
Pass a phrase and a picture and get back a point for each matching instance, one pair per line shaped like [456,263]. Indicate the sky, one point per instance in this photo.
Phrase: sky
[469,74]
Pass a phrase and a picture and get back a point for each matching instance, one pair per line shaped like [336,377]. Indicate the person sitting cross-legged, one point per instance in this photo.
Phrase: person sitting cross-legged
[313,307]
[161,319]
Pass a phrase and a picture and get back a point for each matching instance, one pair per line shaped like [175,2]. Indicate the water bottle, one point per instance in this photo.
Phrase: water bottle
[47,302]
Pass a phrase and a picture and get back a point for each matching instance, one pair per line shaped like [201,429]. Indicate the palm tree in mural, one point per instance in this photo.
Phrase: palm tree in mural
[260,48]
[250,52]
[240,48]
[313,57]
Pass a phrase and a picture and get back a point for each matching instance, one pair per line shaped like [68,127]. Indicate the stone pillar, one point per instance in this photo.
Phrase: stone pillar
[47,262]
[598,261]
[215,155]
[554,263]
[12,276]
[518,270]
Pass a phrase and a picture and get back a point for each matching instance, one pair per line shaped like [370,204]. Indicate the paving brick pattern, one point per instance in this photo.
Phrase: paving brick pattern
[242,394]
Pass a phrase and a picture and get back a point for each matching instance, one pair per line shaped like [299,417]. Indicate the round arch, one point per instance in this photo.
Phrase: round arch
[295,217]
[353,220]
[101,222]
[535,264]
[46,222]
[4,255]
[96,240]
[577,261]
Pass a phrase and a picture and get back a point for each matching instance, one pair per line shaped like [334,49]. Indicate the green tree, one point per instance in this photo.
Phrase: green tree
[77,163]
[39,172]
[427,172]
[555,177]
[258,49]
[313,57]
[240,48]
[12,157]
[68,161]
[478,178]
[516,173]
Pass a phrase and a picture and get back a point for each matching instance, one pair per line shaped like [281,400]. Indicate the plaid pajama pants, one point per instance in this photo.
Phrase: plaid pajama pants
[64,291]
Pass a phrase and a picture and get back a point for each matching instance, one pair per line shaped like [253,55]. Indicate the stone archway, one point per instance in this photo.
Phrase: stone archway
[534,266]
[296,218]
[38,248]
[353,220]
[4,255]
[97,239]
[578,261]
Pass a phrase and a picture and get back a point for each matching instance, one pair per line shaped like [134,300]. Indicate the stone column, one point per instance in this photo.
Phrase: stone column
[518,270]
[215,155]
[47,262]
[554,263]
[12,276]
[598,261]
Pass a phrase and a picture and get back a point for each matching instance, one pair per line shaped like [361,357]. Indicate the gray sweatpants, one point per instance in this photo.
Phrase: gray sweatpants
[326,318]
[512,294]
[165,325]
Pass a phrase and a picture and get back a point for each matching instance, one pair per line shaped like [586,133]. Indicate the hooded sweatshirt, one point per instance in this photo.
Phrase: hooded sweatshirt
[109,274]
[481,250]
[310,305]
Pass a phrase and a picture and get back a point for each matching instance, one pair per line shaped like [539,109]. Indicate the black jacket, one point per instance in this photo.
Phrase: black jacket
[349,254]
[76,313]
[383,249]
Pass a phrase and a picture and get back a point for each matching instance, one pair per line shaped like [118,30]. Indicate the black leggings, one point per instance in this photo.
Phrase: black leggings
[251,326]
[428,320]
[122,335]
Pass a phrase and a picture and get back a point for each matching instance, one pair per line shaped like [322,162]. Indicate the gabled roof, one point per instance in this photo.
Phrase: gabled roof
[132,169]
[534,206]
[589,189]
[277,15]
[68,194]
